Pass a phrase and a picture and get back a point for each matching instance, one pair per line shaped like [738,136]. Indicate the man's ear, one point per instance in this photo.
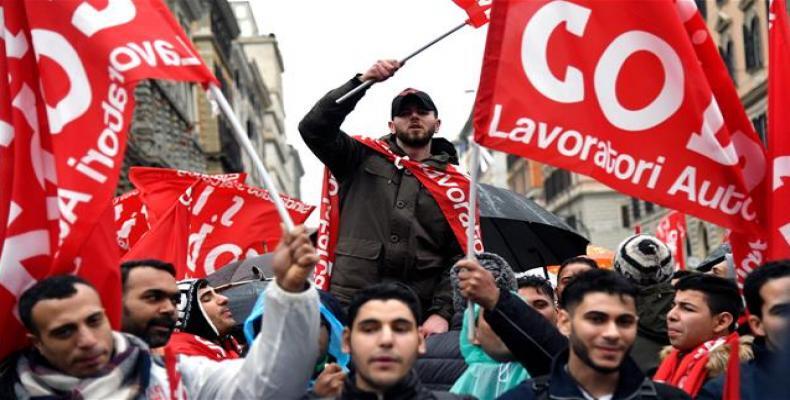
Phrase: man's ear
[347,341]
[722,322]
[438,124]
[391,125]
[564,322]
[756,325]
[35,340]
[421,348]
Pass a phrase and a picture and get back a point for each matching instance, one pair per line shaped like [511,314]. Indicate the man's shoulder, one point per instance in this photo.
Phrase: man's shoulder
[524,390]
[665,391]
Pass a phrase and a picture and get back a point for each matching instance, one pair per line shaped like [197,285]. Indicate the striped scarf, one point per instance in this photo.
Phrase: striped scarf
[126,376]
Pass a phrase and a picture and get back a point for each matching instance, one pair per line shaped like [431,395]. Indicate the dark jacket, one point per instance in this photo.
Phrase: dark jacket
[633,384]
[652,305]
[756,376]
[391,228]
[409,388]
[533,340]
[442,364]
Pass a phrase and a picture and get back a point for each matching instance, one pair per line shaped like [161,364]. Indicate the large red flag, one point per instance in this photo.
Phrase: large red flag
[626,92]
[66,109]
[210,223]
[779,131]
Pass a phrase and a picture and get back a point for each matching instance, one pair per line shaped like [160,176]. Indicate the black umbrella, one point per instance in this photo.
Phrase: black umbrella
[523,233]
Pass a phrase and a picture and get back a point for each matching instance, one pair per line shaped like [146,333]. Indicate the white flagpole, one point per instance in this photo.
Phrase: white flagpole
[470,228]
[245,143]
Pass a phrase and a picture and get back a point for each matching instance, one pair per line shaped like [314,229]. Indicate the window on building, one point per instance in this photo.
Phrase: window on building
[704,235]
[752,44]
[251,133]
[760,125]
[625,216]
[650,208]
[689,253]
[726,51]
[702,7]
[571,221]
[558,181]
[636,211]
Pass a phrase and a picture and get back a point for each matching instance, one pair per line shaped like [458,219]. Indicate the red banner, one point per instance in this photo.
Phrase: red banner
[212,222]
[672,231]
[65,110]
[779,131]
[476,9]
[632,93]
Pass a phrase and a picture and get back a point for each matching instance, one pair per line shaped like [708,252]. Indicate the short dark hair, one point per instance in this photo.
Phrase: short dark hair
[128,266]
[542,285]
[384,291]
[759,277]
[578,260]
[721,295]
[53,287]
[682,273]
[595,281]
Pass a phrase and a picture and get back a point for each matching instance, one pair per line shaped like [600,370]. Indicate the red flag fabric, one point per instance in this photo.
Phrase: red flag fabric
[65,110]
[477,11]
[450,189]
[778,131]
[132,216]
[200,231]
[131,219]
[326,238]
[672,231]
[626,92]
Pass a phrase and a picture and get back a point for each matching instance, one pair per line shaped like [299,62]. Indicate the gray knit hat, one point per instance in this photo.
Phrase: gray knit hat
[503,275]
[644,260]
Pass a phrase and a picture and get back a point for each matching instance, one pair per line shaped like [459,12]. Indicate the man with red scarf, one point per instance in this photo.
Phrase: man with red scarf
[391,227]
[701,327]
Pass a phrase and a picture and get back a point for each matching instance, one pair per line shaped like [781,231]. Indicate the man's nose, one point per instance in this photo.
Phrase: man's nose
[86,337]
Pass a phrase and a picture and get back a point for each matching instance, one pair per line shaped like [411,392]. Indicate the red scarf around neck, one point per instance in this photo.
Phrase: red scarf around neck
[448,187]
[689,372]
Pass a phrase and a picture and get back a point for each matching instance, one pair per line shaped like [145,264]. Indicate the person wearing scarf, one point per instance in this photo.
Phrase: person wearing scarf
[203,326]
[767,294]
[701,322]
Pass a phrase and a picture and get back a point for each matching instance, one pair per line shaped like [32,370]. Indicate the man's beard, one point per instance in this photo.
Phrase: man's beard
[581,351]
[415,141]
[153,339]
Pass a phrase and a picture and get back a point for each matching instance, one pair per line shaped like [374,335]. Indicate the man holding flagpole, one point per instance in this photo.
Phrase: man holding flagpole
[399,197]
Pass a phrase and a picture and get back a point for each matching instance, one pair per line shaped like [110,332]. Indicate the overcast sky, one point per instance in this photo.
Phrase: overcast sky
[324,43]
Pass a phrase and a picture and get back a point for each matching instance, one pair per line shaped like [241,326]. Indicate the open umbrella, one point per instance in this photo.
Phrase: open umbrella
[523,233]
[252,268]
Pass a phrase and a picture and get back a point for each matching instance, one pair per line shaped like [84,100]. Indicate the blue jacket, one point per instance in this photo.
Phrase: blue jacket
[756,376]
[633,385]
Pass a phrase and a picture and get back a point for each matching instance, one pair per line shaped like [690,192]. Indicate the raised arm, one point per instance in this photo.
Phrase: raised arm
[320,128]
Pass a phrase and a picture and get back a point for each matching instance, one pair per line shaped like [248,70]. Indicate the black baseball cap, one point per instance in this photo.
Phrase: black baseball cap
[420,97]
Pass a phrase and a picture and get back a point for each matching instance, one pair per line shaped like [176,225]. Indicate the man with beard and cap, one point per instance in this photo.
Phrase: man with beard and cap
[204,323]
[150,300]
[598,315]
[391,227]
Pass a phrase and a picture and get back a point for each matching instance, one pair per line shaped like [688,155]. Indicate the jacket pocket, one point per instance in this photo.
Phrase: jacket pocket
[356,263]
[382,168]
[359,248]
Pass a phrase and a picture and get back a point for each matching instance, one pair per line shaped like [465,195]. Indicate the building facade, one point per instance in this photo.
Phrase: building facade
[175,125]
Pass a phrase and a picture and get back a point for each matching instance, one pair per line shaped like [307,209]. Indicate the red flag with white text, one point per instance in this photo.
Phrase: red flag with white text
[72,66]
[631,93]
[778,132]
[209,224]
[672,230]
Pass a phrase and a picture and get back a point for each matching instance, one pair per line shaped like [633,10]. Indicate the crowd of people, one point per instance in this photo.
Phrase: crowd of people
[396,322]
